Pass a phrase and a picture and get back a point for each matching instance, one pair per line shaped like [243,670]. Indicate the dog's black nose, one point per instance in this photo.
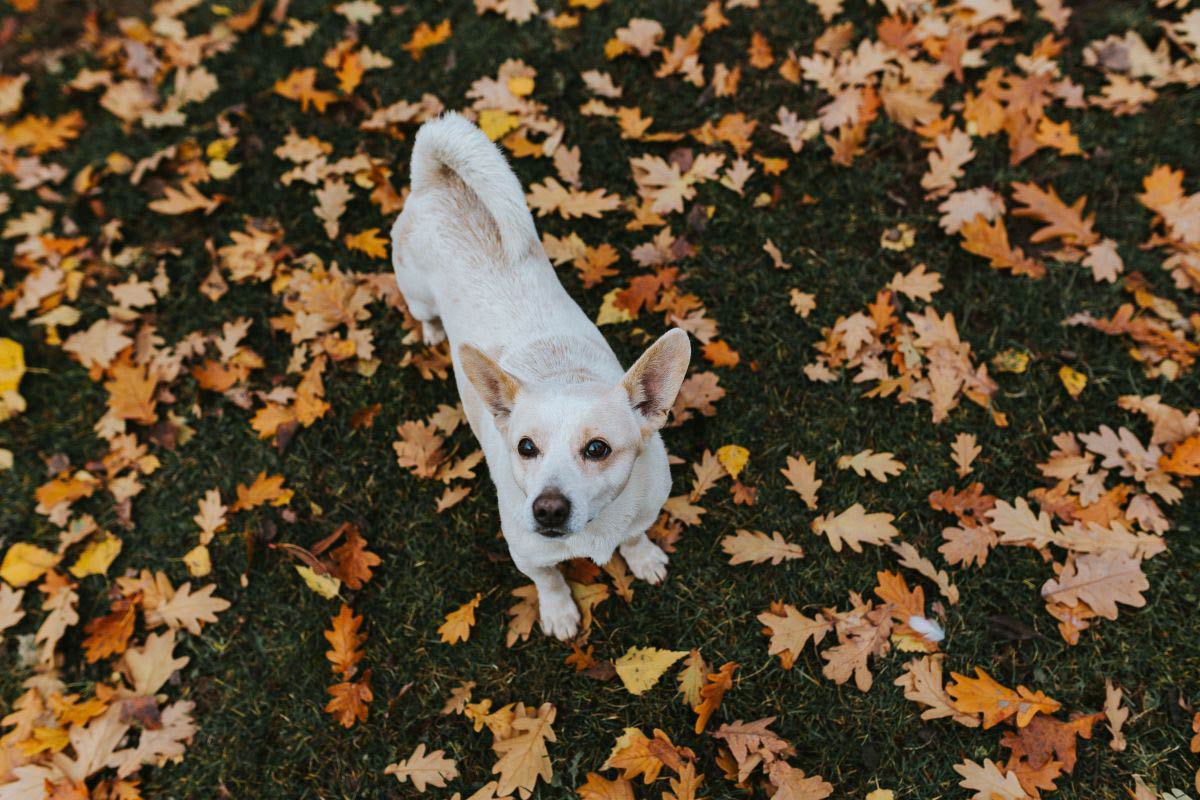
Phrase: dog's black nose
[551,510]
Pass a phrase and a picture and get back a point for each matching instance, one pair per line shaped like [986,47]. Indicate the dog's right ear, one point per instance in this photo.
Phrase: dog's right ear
[497,388]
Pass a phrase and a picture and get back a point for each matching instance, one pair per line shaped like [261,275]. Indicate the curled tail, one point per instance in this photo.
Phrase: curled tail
[452,153]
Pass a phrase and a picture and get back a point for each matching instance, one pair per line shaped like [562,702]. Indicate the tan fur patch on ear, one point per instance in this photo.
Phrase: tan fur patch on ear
[496,387]
[653,382]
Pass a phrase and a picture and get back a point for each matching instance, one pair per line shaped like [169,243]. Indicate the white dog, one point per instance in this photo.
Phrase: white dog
[571,439]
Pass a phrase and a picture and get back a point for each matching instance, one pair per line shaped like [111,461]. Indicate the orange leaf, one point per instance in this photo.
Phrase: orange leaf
[109,635]
[131,393]
[1185,460]
[353,561]
[1062,221]
[350,73]
[300,85]
[711,694]
[345,642]
[997,703]
[369,242]
[457,627]
[991,242]
[720,354]
[264,489]
[350,699]
[424,36]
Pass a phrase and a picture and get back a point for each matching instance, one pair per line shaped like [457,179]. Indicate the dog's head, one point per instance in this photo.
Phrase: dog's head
[572,450]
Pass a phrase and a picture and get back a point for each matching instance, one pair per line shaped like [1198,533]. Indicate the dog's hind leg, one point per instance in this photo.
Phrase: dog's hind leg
[414,284]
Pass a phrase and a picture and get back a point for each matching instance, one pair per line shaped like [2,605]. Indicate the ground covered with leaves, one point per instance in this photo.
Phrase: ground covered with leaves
[934,527]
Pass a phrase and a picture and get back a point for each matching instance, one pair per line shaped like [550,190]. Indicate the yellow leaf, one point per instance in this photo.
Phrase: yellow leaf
[521,86]
[457,627]
[325,585]
[1073,381]
[610,314]
[496,123]
[198,561]
[12,365]
[222,170]
[882,794]
[1010,360]
[641,667]
[369,242]
[733,457]
[25,563]
[425,36]
[97,557]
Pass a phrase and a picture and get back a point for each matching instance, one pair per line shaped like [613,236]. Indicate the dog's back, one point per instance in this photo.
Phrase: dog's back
[467,254]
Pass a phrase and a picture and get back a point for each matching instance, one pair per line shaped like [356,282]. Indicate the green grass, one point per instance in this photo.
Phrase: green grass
[258,677]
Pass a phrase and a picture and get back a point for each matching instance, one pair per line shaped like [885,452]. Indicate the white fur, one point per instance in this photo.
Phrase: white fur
[468,260]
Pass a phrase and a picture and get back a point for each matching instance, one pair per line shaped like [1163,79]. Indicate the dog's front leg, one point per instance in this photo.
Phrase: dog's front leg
[560,615]
[646,560]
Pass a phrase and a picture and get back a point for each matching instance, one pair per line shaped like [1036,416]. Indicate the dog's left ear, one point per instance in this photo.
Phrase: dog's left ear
[496,387]
[653,382]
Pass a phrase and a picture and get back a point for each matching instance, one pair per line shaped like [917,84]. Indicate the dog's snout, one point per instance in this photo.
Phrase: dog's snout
[551,509]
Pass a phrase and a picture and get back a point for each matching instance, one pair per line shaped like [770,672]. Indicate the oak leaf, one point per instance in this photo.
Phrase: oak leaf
[457,627]
[1100,581]
[756,547]
[353,561]
[801,478]
[424,769]
[523,755]
[879,465]
[989,782]
[855,527]
[345,642]
[983,695]
[350,700]
[923,684]
[711,694]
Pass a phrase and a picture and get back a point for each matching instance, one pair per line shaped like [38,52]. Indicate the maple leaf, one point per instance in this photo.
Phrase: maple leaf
[369,242]
[523,755]
[345,642]
[801,478]
[756,547]
[982,694]
[350,700]
[457,627]
[989,782]
[880,465]
[353,561]
[711,694]
[855,527]
[1101,581]
[424,769]
[300,85]
[264,489]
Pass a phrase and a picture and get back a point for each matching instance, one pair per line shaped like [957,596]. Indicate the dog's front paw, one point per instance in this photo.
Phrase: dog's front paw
[646,561]
[560,617]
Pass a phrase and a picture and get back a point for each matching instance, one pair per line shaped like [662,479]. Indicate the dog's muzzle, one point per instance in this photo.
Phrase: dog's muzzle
[551,510]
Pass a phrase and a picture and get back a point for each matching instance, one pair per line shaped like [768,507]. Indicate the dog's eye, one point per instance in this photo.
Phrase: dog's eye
[596,450]
[526,448]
